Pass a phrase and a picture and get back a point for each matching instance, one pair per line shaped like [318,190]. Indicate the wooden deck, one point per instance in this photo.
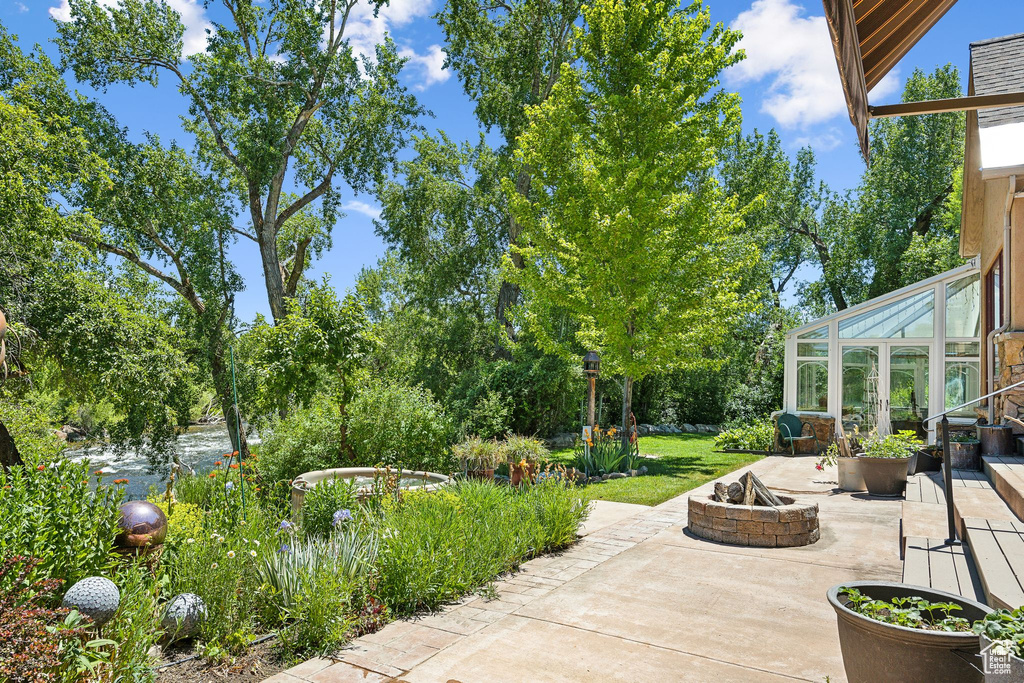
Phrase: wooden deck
[948,568]
[998,547]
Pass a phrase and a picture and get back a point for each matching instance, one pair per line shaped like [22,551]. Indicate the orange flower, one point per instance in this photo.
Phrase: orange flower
[233,466]
[235,454]
[219,462]
[120,481]
[212,475]
[98,473]
[41,468]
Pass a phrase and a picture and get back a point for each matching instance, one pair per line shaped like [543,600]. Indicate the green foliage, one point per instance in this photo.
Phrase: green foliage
[135,627]
[308,439]
[898,445]
[604,453]
[910,611]
[478,454]
[630,246]
[516,448]
[1005,627]
[758,435]
[436,547]
[322,503]
[47,510]
[400,426]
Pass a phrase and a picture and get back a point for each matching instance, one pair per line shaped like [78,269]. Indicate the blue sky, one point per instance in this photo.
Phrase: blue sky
[788,81]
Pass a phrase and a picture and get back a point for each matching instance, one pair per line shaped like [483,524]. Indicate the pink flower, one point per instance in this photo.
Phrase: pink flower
[820,468]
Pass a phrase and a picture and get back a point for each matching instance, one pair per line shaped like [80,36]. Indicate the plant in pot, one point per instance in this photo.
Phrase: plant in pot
[478,457]
[1001,635]
[524,456]
[884,462]
[898,632]
[964,451]
[850,478]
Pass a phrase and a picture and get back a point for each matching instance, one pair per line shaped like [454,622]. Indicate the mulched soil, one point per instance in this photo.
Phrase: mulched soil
[258,662]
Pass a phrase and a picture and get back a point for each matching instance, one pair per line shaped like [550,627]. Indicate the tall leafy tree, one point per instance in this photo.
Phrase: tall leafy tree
[626,230]
[277,101]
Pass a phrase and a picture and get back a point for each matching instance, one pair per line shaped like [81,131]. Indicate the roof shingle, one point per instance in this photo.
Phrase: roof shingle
[997,66]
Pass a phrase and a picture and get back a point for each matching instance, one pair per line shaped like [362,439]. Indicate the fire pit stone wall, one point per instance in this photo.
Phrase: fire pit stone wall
[792,524]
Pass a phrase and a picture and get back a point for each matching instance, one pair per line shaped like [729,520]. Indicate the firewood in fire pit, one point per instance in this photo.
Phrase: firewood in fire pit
[735,493]
[757,492]
[721,493]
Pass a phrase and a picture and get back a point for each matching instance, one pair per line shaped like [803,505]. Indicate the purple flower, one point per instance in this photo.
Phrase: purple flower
[284,549]
[285,525]
[230,485]
[342,516]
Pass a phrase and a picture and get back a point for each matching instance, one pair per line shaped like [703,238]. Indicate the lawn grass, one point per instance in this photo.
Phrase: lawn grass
[685,461]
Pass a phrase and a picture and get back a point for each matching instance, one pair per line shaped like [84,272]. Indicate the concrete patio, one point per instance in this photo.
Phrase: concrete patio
[639,599]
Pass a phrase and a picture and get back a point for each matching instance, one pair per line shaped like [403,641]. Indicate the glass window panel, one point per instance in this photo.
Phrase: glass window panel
[817,333]
[963,384]
[812,350]
[908,388]
[812,385]
[912,316]
[963,349]
[963,307]
[860,389]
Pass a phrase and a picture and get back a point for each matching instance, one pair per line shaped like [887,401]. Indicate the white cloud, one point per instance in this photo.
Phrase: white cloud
[365,31]
[193,16]
[795,53]
[821,142]
[21,7]
[363,208]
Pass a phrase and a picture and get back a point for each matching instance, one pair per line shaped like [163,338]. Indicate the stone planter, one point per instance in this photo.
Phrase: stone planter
[874,652]
[850,478]
[965,455]
[884,476]
[1000,668]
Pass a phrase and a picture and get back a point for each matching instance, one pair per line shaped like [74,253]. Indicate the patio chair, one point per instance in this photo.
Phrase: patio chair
[791,431]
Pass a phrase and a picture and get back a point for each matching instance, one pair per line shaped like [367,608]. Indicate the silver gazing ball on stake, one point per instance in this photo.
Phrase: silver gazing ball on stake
[183,615]
[95,597]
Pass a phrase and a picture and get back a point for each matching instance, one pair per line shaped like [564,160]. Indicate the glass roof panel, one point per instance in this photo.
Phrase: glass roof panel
[912,316]
[963,307]
[816,333]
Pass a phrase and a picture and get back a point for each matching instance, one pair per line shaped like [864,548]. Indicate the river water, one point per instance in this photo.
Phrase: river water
[198,448]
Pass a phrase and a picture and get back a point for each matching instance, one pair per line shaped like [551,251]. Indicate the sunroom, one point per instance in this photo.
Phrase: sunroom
[890,362]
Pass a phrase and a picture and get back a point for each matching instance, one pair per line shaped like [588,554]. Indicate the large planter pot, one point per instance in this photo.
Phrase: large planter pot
[965,455]
[884,476]
[874,652]
[850,478]
[924,461]
[483,474]
[517,473]
[1000,668]
[996,440]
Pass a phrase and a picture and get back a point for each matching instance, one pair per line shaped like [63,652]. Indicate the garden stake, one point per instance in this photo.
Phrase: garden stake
[238,433]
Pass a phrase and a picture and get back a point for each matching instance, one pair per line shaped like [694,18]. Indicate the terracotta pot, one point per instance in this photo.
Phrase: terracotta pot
[485,475]
[884,476]
[518,472]
[874,652]
[850,478]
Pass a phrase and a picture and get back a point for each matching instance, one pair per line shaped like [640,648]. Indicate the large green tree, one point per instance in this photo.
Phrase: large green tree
[626,230]
[277,102]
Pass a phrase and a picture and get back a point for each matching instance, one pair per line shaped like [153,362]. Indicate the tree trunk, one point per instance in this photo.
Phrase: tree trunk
[221,372]
[272,272]
[627,409]
[9,455]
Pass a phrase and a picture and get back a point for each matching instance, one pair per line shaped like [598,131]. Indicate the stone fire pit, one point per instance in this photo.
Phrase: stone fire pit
[766,526]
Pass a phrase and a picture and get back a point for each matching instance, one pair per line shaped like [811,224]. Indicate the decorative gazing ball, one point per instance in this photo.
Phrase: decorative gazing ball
[142,524]
[183,614]
[95,597]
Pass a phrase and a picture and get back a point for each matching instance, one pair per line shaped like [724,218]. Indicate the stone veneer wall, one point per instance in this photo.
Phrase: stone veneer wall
[792,524]
[1010,347]
[824,428]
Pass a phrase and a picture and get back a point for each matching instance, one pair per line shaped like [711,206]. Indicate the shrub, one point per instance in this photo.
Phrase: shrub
[47,510]
[401,427]
[757,435]
[436,547]
[308,439]
[477,454]
[516,448]
[323,501]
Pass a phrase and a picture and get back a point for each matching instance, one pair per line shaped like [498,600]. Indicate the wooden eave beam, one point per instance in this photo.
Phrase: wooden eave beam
[842,27]
[971,102]
[883,45]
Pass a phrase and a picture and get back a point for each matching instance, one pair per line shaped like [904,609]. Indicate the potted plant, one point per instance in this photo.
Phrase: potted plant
[524,456]
[964,451]
[1001,636]
[478,457]
[884,462]
[926,459]
[850,478]
[897,632]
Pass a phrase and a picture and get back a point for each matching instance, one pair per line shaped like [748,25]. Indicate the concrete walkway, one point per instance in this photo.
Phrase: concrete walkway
[641,600]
